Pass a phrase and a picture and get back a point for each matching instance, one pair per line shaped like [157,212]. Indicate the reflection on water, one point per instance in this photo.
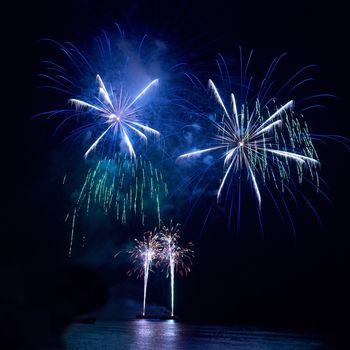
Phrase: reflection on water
[153,335]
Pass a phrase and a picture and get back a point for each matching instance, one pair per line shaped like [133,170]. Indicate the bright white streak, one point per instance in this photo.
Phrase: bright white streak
[103,90]
[128,143]
[146,128]
[147,263]
[256,188]
[229,155]
[154,82]
[223,181]
[295,156]
[82,104]
[218,97]
[172,272]
[267,128]
[141,134]
[234,107]
[97,141]
[289,104]
[191,154]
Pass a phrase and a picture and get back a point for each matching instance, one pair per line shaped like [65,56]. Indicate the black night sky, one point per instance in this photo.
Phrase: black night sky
[277,281]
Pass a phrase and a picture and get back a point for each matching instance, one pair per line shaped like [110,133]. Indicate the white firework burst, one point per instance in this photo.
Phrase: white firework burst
[262,142]
[119,114]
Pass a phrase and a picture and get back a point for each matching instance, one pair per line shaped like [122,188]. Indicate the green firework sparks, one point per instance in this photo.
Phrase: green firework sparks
[125,188]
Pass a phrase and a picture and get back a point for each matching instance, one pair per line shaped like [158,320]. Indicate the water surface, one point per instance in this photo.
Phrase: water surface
[171,335]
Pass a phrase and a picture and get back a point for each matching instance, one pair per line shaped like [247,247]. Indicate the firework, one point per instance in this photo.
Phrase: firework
[144,254]
[266,142]
[123,188]
[109,89]
[118,114]
[175,258]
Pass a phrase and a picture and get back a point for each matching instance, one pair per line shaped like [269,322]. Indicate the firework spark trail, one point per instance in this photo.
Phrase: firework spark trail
[261,142]
[144,254]
[123,188]
[118,114]
[176,259]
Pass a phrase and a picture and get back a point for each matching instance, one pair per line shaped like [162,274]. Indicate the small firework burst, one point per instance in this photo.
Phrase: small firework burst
[144,254]
[174,257]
